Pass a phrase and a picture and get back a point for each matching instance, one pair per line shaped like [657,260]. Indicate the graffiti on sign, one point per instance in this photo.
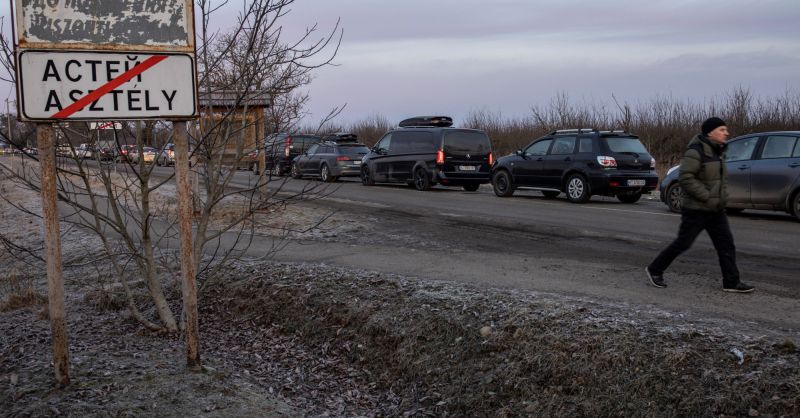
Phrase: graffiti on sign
[161,24]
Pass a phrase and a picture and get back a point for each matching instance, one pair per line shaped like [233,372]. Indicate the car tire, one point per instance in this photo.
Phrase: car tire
[279,169]
[325,174]
[550,194]
[502,184]
[795,202]
[366,177]
[674,198]
[472,187]
[295,172]
[629,197]
[578,189]
[254,168]
[422,181]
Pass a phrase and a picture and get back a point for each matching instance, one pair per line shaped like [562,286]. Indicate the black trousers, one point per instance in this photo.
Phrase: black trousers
[693,222]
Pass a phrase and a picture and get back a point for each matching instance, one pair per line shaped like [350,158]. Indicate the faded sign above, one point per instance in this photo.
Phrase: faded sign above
[158,25]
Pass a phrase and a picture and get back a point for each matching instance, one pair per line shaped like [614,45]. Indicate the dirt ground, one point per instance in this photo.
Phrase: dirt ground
[315,340]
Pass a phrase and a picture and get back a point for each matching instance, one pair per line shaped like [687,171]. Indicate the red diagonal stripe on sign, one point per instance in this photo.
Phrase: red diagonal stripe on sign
[111,85]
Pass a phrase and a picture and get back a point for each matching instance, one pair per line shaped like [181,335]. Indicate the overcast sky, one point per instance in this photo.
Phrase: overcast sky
[451,56]
[415,57]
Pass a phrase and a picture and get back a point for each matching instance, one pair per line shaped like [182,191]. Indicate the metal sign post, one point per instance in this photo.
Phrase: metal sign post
[52,253]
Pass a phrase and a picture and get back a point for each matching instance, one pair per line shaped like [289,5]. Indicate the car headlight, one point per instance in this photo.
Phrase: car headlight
[673,169]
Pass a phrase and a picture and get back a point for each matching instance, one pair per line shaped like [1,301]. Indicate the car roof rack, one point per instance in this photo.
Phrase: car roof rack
[427,122]
[573,131]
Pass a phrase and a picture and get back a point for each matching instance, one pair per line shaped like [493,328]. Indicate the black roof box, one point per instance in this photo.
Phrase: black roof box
[341,137]
[435,121]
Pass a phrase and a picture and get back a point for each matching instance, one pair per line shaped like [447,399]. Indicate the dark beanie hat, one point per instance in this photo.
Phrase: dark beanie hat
[712,123]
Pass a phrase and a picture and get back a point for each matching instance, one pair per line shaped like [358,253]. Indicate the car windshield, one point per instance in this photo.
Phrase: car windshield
[624,145]
[474,142]
[353,150]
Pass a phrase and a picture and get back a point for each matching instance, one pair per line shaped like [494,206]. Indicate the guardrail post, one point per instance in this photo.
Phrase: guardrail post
[52,253]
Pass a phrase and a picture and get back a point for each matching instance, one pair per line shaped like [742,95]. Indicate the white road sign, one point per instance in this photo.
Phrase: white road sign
[105,125]
[105,85]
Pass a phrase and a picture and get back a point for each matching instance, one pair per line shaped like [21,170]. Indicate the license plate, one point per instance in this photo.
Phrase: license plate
[636,183]
[467,168]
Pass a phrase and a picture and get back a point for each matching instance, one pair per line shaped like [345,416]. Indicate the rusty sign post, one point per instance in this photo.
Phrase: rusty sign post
[52,253]
[93,60]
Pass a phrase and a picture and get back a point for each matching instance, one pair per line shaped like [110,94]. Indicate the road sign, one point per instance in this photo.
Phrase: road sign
[105,125]
[105,85]
[151,25]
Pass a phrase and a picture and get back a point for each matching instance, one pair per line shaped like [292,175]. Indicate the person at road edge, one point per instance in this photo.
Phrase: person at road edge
[703,179]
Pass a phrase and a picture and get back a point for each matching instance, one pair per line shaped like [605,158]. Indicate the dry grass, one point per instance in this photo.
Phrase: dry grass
[541,357]
[18,290]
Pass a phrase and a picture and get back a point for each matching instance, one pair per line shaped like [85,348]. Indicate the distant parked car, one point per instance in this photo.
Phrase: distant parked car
[122,153]
[340,156]
[282,148]
[763,173]
[167,155]
[85,151]
[147,156]
[425,151]
[580,163]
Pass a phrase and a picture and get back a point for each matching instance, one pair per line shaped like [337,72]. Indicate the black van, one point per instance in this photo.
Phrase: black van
[282,148]
[424,151]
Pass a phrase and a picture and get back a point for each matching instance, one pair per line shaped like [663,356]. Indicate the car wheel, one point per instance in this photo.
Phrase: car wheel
[550,194]
[795,208]
[325,174]
[366,177]
[254,168]
[279,169]
[632,197]
[471,187]
[296,172]
[421,180]
[674,198]
[577,189]
[502,184]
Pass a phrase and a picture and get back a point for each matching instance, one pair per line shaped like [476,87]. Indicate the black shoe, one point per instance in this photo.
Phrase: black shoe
[656,279]
[738,288]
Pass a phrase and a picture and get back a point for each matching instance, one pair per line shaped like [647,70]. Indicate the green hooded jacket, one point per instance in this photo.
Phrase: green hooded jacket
[704,176]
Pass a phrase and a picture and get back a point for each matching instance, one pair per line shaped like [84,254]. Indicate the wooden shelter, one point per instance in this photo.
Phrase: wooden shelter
[233,122]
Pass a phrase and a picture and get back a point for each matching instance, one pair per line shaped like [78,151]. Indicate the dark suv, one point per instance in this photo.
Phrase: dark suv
[339,155]
[282,148]
[427,150]
[580,163]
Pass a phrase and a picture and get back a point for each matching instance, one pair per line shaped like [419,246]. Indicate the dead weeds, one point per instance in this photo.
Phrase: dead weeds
[446,349]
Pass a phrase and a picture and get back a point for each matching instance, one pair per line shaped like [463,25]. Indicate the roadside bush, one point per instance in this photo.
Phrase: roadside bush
[18,290]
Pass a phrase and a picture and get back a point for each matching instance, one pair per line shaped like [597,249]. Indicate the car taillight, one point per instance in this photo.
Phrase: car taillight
[287,145]
[491,159]
[440,157]
[652,163]
[607,162]
[342,158]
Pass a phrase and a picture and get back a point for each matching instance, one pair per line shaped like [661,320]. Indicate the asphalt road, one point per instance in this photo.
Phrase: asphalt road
[595,250]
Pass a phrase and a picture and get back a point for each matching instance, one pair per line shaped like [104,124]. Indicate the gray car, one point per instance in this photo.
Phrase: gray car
[330,160]
[763,173]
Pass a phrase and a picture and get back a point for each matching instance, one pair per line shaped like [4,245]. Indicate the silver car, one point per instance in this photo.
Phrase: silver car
[330,160]
[763,173]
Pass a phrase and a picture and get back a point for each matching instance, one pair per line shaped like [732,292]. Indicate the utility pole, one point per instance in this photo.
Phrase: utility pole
[8,121]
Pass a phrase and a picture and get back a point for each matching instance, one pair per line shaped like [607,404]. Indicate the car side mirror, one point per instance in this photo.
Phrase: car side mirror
[520,153]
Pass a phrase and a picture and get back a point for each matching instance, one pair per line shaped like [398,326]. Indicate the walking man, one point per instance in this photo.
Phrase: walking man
[703,180]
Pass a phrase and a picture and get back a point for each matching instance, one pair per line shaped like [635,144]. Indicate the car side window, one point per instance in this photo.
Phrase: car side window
[796,149]
[538,148]
[585,145]
[778,147]
[383,144]
[313,149]
[563,146]
[741,150]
